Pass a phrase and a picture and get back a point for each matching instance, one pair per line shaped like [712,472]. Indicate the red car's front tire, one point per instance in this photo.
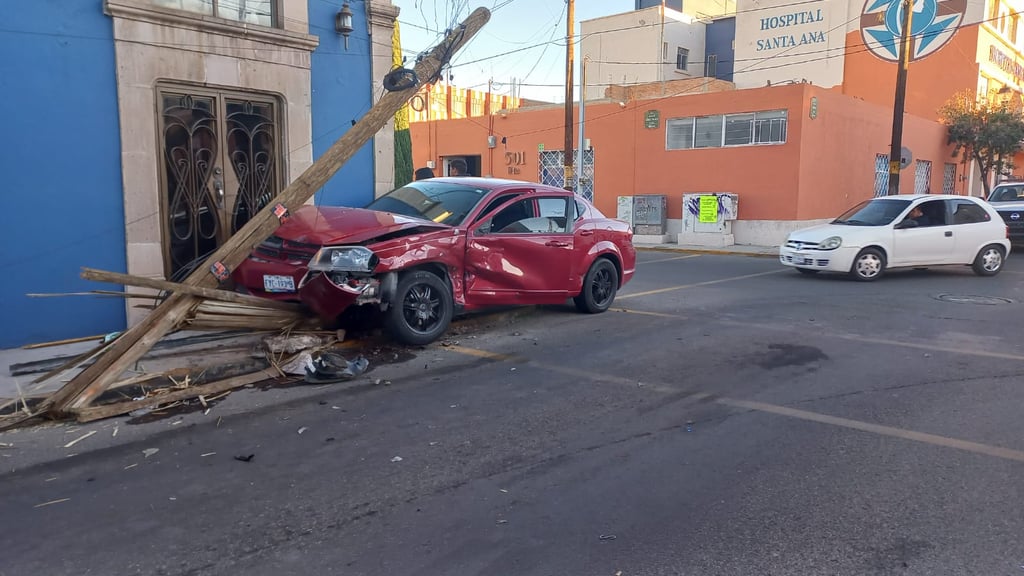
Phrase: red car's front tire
[421,309]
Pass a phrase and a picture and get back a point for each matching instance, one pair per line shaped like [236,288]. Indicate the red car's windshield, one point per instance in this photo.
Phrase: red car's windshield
[441,202]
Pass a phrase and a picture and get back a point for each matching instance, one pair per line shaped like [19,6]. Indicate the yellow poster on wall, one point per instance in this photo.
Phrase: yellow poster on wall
[708,210]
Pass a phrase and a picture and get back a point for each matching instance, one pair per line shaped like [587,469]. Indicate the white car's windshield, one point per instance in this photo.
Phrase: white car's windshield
[877,212]
[1007,194]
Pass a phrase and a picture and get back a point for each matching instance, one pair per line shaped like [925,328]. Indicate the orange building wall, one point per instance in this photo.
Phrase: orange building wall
[930,81]
[826,165]
[839,148]
[631,159]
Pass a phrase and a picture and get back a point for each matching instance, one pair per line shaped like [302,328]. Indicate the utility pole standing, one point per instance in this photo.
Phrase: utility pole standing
[567,155]
[896,148]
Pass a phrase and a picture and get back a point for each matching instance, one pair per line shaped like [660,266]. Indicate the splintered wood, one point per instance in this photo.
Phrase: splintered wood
[198,303]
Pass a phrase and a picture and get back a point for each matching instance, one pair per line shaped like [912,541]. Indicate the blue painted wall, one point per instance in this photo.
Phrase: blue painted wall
[718,40]
[62,203]
[342,92]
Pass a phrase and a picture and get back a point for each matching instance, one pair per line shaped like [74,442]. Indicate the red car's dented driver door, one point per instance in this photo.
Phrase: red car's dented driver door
[521,253]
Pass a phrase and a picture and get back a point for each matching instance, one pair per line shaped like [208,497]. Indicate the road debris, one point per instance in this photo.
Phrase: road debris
[207,454]
[502,521]
[130,466]
[114,435]
[329,367]
[396,459]
[79,439]
[607,537]
[150,451]
[51,502]
[245,458]
[303,429]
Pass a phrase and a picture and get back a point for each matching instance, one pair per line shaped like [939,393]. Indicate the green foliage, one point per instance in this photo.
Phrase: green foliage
[403,158]
[988,132]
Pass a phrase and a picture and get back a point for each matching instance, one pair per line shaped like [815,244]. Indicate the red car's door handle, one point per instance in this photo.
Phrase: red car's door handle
[556,244]
[586,232]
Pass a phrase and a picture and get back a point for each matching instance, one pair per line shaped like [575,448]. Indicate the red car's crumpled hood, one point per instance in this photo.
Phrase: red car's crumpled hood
[326,225]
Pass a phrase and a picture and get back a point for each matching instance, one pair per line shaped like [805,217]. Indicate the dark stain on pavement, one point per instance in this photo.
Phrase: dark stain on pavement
[782,355]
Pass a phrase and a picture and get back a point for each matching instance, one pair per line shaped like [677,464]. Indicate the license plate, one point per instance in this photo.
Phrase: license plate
[278,283]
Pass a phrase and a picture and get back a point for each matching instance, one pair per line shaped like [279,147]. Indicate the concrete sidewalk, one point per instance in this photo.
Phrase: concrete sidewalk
[735,250]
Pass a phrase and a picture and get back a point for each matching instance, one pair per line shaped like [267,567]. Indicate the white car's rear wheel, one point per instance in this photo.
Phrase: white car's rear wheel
[989,260]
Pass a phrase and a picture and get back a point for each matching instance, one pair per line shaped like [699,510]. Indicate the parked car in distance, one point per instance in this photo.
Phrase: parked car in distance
[438,246]
[1008,200]
[907,230]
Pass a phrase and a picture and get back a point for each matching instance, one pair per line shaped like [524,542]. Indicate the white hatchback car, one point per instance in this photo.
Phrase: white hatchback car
[908,230]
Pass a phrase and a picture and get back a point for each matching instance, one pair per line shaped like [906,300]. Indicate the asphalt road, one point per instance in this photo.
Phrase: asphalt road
[729,417]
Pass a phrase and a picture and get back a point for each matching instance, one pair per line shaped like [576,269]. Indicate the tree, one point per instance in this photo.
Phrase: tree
[988,132]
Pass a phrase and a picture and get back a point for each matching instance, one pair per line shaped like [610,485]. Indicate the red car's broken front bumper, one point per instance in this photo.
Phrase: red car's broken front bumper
[325,298]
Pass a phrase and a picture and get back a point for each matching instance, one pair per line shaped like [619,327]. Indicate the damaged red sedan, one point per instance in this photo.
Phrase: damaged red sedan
[436,247]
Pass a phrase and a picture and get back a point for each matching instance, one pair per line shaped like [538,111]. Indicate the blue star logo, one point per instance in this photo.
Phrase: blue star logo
[934,23]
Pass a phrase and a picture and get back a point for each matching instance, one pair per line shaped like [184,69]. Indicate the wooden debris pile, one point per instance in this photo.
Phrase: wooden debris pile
[198,301]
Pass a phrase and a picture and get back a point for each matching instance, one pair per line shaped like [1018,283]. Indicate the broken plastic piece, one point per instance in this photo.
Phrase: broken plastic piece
[331,367]
[220,271]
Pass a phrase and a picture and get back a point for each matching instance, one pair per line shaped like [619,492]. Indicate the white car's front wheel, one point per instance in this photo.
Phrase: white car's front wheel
[989,260]
[869,265]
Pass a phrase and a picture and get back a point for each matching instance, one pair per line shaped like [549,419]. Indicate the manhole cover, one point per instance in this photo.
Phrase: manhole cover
[969,299]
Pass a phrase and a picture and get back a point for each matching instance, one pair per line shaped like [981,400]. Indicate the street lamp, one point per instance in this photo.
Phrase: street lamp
[343,22]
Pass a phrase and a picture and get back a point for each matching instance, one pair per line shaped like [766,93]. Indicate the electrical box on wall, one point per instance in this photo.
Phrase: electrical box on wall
[492,141]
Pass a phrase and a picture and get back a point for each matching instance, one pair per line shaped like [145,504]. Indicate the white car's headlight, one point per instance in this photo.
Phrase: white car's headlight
[830,243]
[343,259]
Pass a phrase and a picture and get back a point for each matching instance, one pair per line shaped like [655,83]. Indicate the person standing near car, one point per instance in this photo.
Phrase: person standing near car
[424,173]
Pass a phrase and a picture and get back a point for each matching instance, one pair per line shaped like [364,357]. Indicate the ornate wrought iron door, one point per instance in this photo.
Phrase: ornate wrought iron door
[221,165]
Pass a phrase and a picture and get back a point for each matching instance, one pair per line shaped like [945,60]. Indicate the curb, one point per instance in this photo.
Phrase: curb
[710,251]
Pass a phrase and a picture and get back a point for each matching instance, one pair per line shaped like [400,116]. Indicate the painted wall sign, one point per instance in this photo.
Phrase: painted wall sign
[934,24]
[783,38]
[513,160]
[652,119]
[1006,63]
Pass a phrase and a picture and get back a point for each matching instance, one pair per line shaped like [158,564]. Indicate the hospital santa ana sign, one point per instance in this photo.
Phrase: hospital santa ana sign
[934,24]
[792,29]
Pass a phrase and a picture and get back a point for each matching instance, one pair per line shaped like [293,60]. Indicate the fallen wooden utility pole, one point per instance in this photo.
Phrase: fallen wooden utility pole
[208,293]
[91,382]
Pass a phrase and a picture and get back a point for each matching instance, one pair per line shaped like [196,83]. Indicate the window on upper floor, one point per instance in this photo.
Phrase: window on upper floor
[682,59]
[711,66]
[259,12]
[750,128]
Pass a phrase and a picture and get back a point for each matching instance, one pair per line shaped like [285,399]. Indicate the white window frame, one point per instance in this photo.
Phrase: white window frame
[772,122]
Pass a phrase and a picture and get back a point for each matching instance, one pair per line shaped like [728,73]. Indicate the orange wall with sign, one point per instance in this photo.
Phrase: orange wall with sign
[826,164]
[931,81]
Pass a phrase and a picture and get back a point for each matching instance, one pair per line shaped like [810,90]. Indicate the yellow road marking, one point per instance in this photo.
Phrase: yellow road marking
[708,283]
[849,337]
[641,312]
[879,429]
[482,353]
[934,439]
[668,259]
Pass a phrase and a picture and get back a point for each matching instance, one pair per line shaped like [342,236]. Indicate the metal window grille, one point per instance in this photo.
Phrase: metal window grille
[922,177]
[552,172]
[881,174]
[948,178]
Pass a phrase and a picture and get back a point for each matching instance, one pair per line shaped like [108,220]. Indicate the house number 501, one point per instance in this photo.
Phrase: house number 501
[515,158]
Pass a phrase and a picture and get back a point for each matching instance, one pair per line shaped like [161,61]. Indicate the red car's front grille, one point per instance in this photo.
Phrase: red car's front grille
[280,249]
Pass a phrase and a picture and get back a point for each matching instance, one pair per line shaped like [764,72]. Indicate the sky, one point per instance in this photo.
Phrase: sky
[506,47]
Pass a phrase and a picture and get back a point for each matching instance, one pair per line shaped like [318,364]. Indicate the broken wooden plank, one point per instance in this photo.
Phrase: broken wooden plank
[62,342]
[89,384]
[208,293]
[107,411]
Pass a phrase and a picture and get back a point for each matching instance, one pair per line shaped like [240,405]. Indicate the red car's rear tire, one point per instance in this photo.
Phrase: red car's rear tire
[599,287]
